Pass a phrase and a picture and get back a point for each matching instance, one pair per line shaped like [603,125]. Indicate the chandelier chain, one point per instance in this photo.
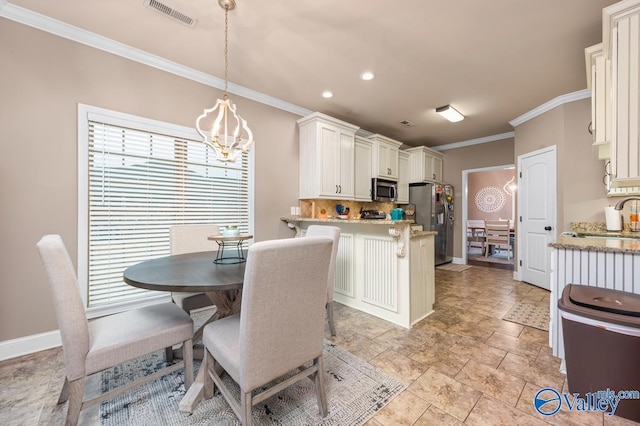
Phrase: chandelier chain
[226,52]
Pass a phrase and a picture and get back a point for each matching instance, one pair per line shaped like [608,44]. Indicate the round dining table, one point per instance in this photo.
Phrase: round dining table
[193,272]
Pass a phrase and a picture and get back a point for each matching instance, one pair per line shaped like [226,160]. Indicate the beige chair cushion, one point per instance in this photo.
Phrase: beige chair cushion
[128,335]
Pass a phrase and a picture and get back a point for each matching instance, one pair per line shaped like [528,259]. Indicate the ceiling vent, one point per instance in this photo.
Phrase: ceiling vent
[171,13]
[407,123]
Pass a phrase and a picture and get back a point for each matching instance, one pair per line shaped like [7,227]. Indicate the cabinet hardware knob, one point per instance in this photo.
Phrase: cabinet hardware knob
[547,228]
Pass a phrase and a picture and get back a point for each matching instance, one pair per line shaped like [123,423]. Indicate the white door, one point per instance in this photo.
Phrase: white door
[537,214]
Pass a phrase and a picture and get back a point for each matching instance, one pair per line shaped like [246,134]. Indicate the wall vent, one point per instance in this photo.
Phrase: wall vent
[407,123]
[171,13]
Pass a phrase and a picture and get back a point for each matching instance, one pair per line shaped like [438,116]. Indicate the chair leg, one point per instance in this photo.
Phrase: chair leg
[187,356]
[332,325]
[76,394]
[208,364]
[64,393]
[246,405]
[168,354]
[322,396]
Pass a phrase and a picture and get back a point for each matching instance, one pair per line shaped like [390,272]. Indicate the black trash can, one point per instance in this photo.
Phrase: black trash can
[601,331]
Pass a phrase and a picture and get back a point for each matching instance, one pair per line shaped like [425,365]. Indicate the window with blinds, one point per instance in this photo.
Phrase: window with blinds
[139,183]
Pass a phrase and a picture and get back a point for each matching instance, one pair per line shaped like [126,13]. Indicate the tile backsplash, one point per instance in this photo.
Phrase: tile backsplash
[312,208]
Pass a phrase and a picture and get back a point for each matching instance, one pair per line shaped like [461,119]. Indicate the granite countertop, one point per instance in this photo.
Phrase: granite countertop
[614,245]
[337,220]
[421,234]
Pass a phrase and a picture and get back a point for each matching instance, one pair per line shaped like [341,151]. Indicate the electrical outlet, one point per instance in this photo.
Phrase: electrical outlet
[293,211]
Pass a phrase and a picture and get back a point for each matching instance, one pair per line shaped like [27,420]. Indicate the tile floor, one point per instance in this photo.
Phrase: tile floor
[461,365]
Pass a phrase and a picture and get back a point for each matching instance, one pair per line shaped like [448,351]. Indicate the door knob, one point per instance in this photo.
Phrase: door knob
[547,228]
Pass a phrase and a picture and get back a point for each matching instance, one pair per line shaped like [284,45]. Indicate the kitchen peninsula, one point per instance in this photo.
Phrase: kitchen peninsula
[593,257]
[383,267]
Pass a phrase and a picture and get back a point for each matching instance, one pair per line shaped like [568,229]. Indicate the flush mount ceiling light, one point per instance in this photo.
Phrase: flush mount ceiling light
[368,75]
[327,94]
[450,113]
[229,134]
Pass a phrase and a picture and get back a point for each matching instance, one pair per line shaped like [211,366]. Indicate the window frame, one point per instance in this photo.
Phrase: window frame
[88,113]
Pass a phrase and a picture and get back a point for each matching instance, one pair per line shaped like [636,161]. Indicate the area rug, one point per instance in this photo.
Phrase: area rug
[355,392]
[453,267]
[536,316]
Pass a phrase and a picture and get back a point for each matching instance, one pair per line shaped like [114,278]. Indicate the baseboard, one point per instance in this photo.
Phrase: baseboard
[29,344]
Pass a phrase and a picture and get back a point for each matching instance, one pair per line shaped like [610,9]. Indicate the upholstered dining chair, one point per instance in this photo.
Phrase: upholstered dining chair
[280,326]
[92,346]
[191,239]
[332,232]
[497,235]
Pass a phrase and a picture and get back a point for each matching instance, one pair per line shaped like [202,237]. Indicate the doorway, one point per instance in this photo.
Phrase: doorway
[488,194]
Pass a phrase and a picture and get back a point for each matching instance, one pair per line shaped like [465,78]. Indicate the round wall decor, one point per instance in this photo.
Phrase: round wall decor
[490,199]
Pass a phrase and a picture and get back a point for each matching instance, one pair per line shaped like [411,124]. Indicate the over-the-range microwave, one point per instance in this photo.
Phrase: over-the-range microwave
[384,190]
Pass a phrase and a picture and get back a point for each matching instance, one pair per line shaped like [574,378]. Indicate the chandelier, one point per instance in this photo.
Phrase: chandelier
[229,134]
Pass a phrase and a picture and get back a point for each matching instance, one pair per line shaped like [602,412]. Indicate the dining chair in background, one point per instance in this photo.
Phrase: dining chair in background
[498,236]
[332,232]
[92,346]
[191,239]
[476,234]
[280,326]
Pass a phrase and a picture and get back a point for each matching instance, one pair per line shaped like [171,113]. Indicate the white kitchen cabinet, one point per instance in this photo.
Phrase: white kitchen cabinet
[403,177]
[362,168]
[425,165]
[621,44]
[327,148]
[385,157]
[599,82]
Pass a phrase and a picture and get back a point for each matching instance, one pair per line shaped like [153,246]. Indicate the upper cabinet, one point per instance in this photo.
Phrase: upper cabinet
[599,82]
[621,45]
[385,157]
[327,148]
[403,177]
[425,165]
[362,168]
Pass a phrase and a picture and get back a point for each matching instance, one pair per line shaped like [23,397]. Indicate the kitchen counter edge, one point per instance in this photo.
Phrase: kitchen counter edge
[350,221]
[414,234]
[611,245]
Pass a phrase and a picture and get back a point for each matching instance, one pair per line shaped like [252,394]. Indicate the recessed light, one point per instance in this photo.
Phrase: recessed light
[327,94]
[368,75]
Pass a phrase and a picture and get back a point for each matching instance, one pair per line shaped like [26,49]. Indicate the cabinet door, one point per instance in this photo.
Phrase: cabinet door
[362,169]
[437,169]
[403,178]
[330,170]
[387,160]
[346,178]
[625,144]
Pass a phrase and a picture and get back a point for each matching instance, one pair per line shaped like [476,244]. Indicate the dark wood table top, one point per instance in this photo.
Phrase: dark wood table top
[191,272]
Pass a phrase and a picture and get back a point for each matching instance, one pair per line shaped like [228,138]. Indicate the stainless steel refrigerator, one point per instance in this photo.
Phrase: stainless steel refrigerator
[434,211]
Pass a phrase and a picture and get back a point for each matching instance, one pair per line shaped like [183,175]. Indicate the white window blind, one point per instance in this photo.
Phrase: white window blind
[141,182]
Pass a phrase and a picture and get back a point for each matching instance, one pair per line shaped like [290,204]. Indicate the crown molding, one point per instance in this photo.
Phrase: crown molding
[79,35]
[560,100]
[476,141]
